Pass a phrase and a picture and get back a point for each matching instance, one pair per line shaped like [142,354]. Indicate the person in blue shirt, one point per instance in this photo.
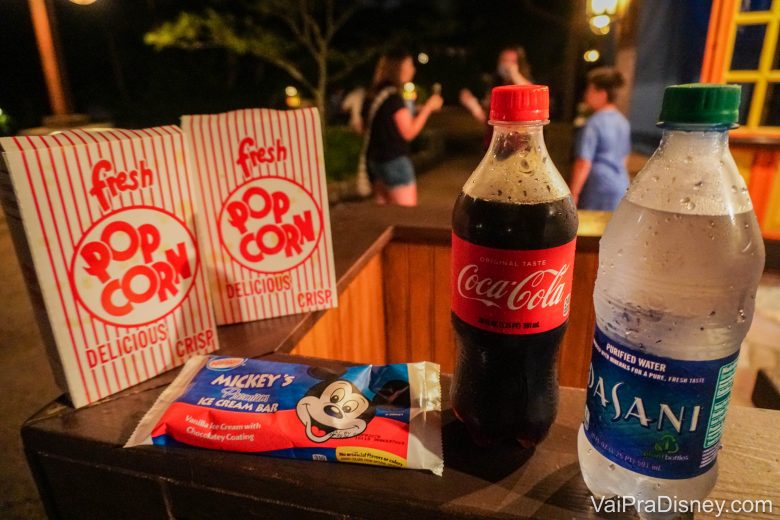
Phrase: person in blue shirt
[599,177]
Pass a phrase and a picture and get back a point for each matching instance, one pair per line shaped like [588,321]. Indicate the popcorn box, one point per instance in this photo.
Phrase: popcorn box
[264,222]
[109,251]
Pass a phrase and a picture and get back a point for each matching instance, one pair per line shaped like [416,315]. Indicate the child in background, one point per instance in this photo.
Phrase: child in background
[599,177]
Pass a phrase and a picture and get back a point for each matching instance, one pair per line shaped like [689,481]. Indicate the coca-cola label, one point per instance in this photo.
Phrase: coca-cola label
[511,291]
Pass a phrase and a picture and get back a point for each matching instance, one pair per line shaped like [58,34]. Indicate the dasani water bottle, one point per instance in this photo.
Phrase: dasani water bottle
[679,264]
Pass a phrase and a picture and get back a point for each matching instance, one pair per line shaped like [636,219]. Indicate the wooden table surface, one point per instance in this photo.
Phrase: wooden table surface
[83,471]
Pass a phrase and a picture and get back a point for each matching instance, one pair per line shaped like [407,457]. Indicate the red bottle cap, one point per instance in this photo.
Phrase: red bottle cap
[520,103]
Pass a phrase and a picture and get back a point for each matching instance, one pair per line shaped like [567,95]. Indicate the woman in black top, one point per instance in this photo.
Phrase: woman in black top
[392,127]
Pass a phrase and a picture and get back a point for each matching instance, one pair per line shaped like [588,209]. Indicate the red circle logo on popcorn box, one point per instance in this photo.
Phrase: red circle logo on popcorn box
[270,224]
[134,266]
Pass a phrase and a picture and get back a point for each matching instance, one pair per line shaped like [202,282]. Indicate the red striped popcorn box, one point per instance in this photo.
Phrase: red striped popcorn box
[104,227]
[263,220]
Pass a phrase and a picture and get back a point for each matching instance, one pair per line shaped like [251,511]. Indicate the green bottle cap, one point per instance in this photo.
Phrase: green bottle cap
[700,104]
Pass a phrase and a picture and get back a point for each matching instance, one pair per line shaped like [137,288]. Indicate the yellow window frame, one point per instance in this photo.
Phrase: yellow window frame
[725,18]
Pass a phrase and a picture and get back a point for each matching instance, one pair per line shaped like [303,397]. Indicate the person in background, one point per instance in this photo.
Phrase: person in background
[512,68]
[599,178]
[391,126]
[353,105]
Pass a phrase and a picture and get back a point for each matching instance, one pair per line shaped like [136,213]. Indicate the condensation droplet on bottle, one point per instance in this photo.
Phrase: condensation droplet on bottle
[620,252]
[747,246]
[697,185]
[687,203]
[712,313]
[743,190]
[500,193]
[688,159]
[611,467]
[733,189]
[655,178]
[712,223]
[741,316]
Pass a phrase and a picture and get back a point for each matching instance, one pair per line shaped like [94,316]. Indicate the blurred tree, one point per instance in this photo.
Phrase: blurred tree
[306,34]
[5,123]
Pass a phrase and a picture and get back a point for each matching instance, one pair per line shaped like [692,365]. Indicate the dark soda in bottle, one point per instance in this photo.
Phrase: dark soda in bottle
[514,230]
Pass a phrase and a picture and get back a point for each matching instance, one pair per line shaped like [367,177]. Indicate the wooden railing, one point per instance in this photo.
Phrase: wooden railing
[397,309]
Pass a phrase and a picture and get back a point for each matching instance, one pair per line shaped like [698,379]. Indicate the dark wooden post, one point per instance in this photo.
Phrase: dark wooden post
[42,17]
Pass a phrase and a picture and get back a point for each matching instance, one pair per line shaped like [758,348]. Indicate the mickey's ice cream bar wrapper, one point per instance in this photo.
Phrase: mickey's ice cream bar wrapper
[384,415]
[109,250]
[263,219]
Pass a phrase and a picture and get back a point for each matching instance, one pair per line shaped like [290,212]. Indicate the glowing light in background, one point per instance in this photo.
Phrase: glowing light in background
[423,58]
[599,24]
[83,2]
[598,7]
[591,55]
[410,91]
[293,98]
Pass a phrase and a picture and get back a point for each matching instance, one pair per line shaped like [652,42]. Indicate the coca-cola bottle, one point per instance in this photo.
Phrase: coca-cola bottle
[514,229]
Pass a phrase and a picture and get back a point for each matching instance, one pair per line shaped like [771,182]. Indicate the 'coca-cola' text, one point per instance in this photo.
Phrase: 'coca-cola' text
[511,292]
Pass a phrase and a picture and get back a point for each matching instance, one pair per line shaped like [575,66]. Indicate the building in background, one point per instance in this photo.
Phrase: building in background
[742,48]
[670,44]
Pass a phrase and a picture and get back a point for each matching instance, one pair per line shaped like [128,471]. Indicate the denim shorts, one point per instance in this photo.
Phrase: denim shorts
[393,173]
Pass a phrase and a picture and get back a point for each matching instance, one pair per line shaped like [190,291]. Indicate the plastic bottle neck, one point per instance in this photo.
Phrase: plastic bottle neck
[692,172]
[517,167]
[687,142]
[517,138]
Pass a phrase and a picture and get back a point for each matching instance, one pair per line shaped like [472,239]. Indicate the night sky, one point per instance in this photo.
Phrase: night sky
[114,76]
